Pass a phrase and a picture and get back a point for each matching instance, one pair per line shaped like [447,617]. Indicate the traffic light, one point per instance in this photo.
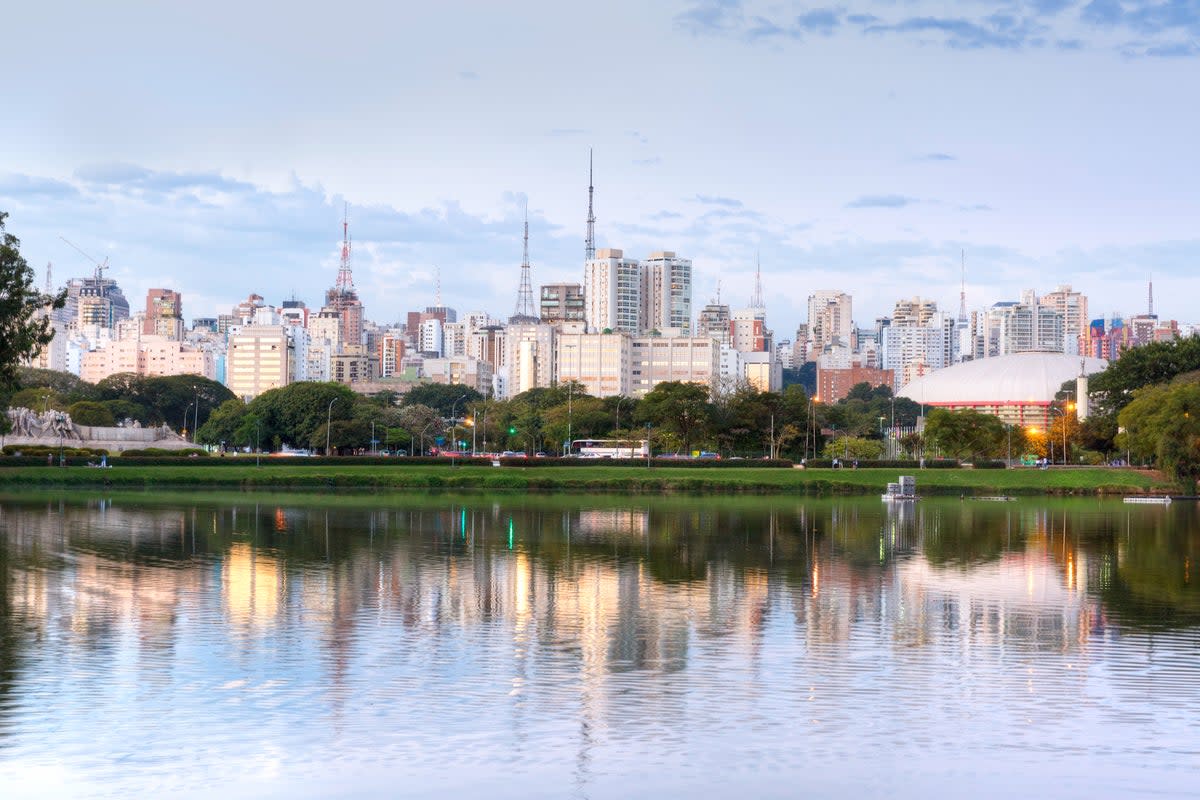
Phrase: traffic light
[512,429]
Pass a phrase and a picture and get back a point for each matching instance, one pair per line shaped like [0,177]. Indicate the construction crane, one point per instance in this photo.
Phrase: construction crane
[100,266]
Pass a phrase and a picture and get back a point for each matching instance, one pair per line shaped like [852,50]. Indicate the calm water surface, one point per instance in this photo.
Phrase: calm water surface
[425,646]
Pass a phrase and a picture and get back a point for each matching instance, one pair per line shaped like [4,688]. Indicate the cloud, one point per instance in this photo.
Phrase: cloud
[712,200]
[1162,28]
[216,240]
[937,157]
[823,21]
[710,17]
[881,201]
[469,75]
[13,185]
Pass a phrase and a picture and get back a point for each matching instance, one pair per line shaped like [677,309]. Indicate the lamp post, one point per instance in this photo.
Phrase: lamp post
[374,449]
[570,392]
[427,427]
[648,448]
[1062,414]
[257,444]
[328,420]
[453,425]
[617,423]
[185,416]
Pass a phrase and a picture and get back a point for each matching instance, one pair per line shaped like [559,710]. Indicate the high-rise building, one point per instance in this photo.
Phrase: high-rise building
[1073,306]
[830,316]
[667,292]
[748,331]
[561,302]
[612,287]
[260,357]
[164,314]
[714,320]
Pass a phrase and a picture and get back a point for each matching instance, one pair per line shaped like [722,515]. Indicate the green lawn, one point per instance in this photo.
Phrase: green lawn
[593,479]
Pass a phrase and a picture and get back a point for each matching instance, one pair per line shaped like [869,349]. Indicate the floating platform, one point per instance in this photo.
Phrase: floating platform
[903,490]
[1154,501]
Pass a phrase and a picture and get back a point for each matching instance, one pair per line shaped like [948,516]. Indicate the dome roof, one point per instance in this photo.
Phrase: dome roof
[1019,378]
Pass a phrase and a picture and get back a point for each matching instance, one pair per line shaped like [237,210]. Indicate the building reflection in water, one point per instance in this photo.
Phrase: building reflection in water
[576,598]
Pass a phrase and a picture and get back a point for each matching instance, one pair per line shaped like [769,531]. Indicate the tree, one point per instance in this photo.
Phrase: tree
[89,412]
[444,398]
[1163,422]
[291,414]
[853,448]
[679,408]
[222,425]
[966,434]
[24,325]
[1153,363]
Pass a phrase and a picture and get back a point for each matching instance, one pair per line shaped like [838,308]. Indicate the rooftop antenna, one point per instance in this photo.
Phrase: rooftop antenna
[1150,310]
[49,267]
[345,281]
[962,292]
[589,246]
[757,300]
[437,277]
[524,310]
[718,291]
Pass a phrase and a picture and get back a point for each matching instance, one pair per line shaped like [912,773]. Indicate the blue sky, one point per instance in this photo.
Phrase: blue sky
[858,146]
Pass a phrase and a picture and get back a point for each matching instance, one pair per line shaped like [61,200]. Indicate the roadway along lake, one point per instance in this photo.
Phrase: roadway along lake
[251,645]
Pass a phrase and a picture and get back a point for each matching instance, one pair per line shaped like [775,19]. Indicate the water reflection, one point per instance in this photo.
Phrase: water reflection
[570,635]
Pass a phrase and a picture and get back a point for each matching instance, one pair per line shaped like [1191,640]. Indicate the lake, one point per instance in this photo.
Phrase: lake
[514,646]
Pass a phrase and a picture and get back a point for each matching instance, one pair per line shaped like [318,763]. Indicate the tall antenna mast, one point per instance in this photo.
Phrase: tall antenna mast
[524,311]
[1151,297]
[962,292]
[589,247]
[718,291]
[49,266]
[345,280]
[437,297]
[757,300]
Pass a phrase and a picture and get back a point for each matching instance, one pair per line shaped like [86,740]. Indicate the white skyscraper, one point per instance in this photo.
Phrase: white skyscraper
[667,292]
[613,292]
[830,316]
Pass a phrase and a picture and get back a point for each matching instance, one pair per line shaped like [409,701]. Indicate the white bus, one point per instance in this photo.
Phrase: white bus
[609,448]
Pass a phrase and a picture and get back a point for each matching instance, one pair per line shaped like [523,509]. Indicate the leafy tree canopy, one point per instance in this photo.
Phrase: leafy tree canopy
[24,328]
[441,397]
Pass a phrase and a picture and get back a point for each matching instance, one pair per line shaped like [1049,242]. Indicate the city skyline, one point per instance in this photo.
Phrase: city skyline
[860,148]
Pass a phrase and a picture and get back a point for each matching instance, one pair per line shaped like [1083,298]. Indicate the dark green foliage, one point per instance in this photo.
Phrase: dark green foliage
[967,433]
[24,327]
[441,397]
[165,399]
[1157,362]
[88,412]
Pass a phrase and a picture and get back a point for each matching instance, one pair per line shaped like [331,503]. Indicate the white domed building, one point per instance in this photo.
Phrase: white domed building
[1019,389]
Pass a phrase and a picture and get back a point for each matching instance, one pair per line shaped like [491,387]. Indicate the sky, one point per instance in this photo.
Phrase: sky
[864,146]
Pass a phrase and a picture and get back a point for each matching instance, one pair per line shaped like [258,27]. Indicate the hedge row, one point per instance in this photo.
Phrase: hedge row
[931,463]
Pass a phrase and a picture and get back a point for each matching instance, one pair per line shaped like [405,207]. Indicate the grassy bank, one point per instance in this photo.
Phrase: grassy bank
[608,479]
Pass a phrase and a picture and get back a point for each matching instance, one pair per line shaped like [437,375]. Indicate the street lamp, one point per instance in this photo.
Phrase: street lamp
[328,418]
[453,425]
[1062,413]
[617,424]
[570,392]
[185,416]
[257,444]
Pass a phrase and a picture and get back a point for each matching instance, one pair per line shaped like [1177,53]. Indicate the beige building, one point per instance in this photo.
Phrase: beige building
[260,357]
[599,361]
[151,356]
[689,359]
[353,364]
[529,358]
